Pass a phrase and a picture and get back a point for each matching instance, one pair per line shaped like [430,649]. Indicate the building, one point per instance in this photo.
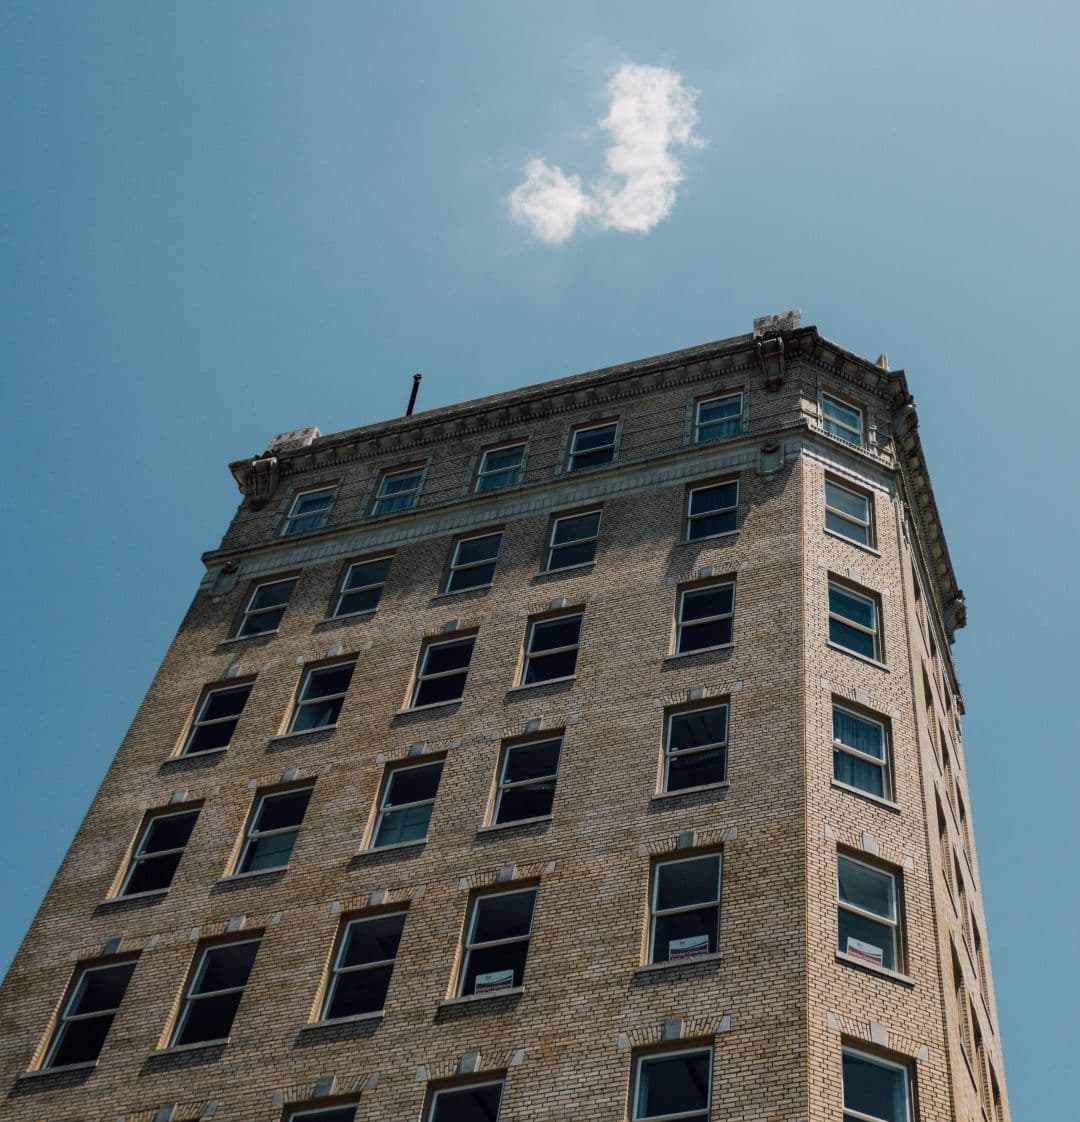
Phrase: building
[589,751]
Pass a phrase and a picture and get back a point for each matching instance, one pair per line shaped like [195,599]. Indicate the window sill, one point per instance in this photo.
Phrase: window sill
[468,999]
[567,569]
[851,541]
[708,537]
[427,708]
[649,967]
[287,736]
[700,650]
[355,1018]
[346,615]
[179,1049]
[886,804]
[460,592]
[232,878]
[880,971]
[545,682]
[244,638]
[723,785]
[370,850]
[43,1072]
[495,827]
[149,894]
[855,654]
[195,755]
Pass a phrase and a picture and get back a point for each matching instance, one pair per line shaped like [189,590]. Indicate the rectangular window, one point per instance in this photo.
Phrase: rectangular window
[551,649]
[695,748]
[854,621]
[573,540]
[273,829]
[94,996]
[216,719]
[265,607]
[849,513]
[309,511]
[685,911]
[362,587]
[500,467]
[705,617]
[158,851]
[868,923]
[861,752]
[213,992]
[322,692]
[398,490]
[718,417]
[875,1090]
[527,775]
[712,510]
[329,1114]
[442,671]
[363,964]
[592,446]
[475,1102]
[673,1087]
[841,419]
[473,562]
[408,798]
[497,942]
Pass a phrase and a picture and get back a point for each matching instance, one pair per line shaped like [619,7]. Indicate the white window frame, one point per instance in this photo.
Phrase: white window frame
[413,492]
[644,1058]
[837,428]
[654,889]
[201,722]
[738,418]
[250,613]
[530,636]
[144,833]
[680,623]
[844,516]
[189,997]
[892,922]
[253,835]
[503,785]
[76,987]
[320,699]
[469,943]
[344,590]
[337,970]
[851,1115]
[429,1115]
[885,763]
[423,676]
[483,472]
[574,451]
[384,792]
[673,714]
[457,566]
[324,511]
[313,1114]
[552,546]
[691,517]
[874,632]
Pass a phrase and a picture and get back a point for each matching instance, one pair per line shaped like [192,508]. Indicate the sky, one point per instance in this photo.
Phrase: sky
[220,222]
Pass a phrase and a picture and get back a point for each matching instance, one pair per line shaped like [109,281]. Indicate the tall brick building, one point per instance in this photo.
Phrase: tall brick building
[591,751]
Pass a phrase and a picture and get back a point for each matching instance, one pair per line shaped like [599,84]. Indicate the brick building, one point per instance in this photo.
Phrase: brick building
[589,751]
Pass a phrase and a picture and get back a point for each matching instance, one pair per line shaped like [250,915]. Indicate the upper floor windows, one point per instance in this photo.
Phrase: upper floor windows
[673,1086]
[573,540]
[861,753]
[362,587]
[551,649]
[869,918]
[718,417]
[527,775]
[496,941]
[855,621]
[362,965]
[398,490]
[408,798]
[695,747]
[712,510]
[842,419]
[330,1114]
[309,511]
[213,992]
[704,618]
[875,1090]
[442,670]
[157,852]
[265,606]
[321,695]
[592,446]
[685,908]
[216,719]
[93,999]
[273,829]
[849,513]
[472,564]
[500,467]
[474,1102]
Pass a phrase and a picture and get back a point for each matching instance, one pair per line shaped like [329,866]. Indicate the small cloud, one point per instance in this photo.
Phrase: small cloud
[652,112]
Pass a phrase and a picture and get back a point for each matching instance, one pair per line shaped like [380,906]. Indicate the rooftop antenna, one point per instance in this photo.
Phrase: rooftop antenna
[415,390]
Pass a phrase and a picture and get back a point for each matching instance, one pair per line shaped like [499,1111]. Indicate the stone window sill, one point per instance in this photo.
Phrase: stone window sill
[371,850]
[851,541]
[494,827]
[428,708]
[649,967]
[355,1018]
[855,654]
[182,756]
[567,569]
[244,638]
[346,615]
[232,878]
[450,595]
[545,682]
[886,804]
[881,971]
[177,1049]
[43,1072]
[709,537]
[149,894]
[699,651]
[721,786]
[287,736]
[468,999]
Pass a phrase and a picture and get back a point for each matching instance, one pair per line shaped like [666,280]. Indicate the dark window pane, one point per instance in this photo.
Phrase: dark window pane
[494,480]
[102,990]
[696,770]
[684,925]
[272,595]
[334,1114]
[858,773]
[372,940]
[851,638]
[562,632]
[874,1089]
[566,555]
[263,622]
[399,826]
[210,1018]
[81,1041]
[468,1104]
[363,991]
[413,784]
[168,831]
[707,499]
[847,529]
[205,737]
[575,527]
[544,668]
[705,602]
[866,888]
[476,577]
[532,801]
[449,656]
[712,524]
[268,853]
[698,727]
[602,436]
[225,703]
[699,636]
[681,883]
[317,715]
[529,761]
[673,1085]
[478,549]
[286,809]
[433,690]
[364,601]
[226,966]
[854,608]
[503,916]
[402,481]
[368,572]
[492,960]
[334,679]
[873,939]
[865,736]
[502,458]
[151,874]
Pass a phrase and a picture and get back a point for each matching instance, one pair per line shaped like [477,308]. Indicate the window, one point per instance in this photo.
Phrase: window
[158,851]
[93,999]
[500,467]
[868,924]
[853,621]
[216,719]
[408,799]
[673,1087]
[362,966]
[849,513]
[398,490]
[551,649]
[685,912]
[443,669]
[875,1090]
[329,1114]
[497,942]
[309,511]
[362,587]
[712,510]
[592,446]
[573,540]
[860,753]
[841,420]
[214,989]
[718,417]
[705,616]
[265,607]
[473,562]
[321,695]
[695,748]
[272,830]
[527,777]
[477,1102]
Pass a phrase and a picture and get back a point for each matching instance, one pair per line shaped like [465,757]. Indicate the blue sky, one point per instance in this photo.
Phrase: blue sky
[220,222]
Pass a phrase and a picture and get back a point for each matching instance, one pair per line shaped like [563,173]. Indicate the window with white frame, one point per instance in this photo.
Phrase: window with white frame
[213,992]
[717,418]
[684,920]
[362,587]
[265,606]
[712,510]
[673,1086]
[272,830]
[500,467]
[325,1114]
[854,621]
[496,941]
[158,850]
[363,964]
[406,803]
[592,446]
[705,617]
[216,719]
[94,996]
[309,511]
[551,649]
[573,540]
[527,775]
[868,922]
[473,1102]
[321,695]
[398,490]
[841,419]
[442,671]
[875,1089]
[695,747]
[861,752]
[849,513]
[472,564]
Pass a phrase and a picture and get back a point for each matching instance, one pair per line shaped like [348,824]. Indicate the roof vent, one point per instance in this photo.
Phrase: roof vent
[790,320]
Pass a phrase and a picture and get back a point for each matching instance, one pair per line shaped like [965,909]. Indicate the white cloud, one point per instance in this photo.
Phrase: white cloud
[652,112]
